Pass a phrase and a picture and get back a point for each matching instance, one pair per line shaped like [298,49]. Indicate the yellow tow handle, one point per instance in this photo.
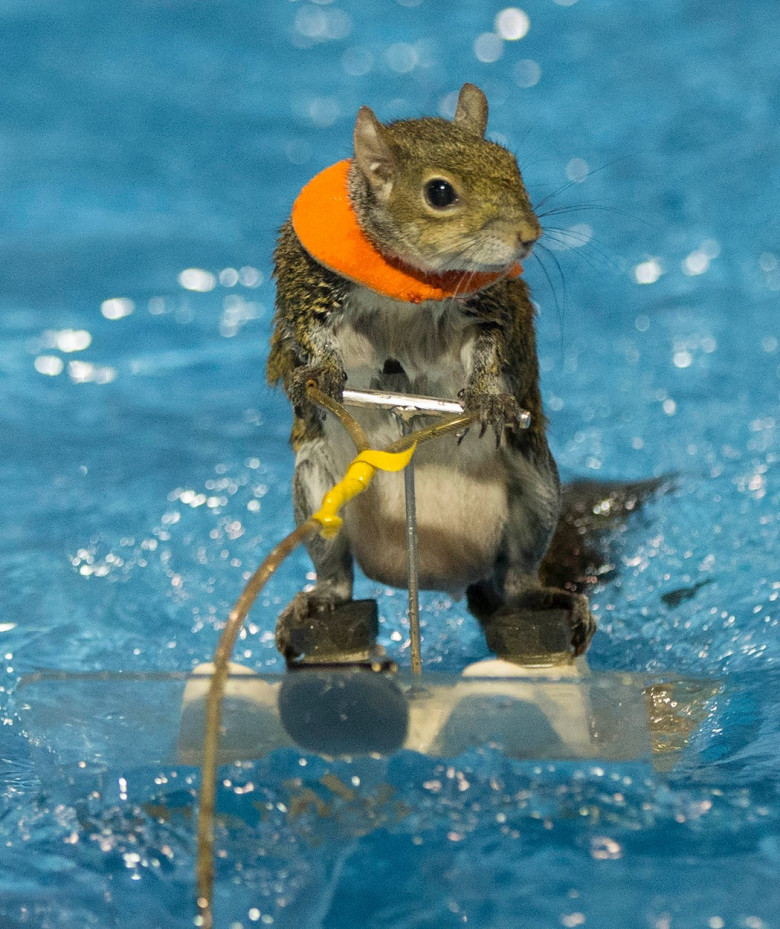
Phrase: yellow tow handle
[358,476]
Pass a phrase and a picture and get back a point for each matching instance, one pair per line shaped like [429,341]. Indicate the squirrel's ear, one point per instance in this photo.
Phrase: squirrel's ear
[372,153]
[472,109]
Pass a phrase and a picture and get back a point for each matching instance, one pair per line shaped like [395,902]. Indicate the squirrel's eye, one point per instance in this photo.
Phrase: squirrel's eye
[440,193]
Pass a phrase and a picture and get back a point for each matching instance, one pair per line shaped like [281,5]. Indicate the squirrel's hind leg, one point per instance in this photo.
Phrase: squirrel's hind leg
[514,595]
[510,623]
[314,477]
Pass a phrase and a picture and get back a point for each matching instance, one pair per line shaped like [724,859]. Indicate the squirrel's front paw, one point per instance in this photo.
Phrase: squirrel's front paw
[329,379]
[499,410]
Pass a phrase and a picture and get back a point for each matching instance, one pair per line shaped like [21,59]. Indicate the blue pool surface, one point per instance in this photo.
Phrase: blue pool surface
[148,152]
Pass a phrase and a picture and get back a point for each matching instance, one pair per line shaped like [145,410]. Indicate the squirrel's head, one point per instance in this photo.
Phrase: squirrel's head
[439,196]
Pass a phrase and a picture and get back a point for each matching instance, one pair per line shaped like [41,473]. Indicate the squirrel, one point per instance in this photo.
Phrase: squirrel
[398,270]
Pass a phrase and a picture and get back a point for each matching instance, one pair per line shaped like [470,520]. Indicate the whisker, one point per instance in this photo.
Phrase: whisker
[558,190]
[569,184]
[558,309]
[561,234]
[575,241]
[463,284]
[581,207]
[606,208]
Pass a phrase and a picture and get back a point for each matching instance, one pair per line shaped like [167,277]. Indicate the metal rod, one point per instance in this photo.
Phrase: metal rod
[390,401]
[411,403]
[412,564]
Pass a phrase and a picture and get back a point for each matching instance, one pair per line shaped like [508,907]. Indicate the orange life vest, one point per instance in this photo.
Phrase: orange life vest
[324,220]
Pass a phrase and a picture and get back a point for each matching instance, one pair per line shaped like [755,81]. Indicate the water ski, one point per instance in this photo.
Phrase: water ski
[536,699]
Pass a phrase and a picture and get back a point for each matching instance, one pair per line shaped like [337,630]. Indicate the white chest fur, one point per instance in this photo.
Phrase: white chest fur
[432,341]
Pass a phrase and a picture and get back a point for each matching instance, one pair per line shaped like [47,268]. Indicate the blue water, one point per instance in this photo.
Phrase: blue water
[145,466]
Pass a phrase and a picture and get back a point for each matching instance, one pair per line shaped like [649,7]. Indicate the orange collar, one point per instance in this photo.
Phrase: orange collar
[325,223]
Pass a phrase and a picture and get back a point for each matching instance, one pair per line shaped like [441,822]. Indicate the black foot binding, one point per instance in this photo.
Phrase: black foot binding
[311,630]
[546,626]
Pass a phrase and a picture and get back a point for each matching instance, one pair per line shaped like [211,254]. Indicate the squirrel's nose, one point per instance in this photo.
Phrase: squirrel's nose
[527,234]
